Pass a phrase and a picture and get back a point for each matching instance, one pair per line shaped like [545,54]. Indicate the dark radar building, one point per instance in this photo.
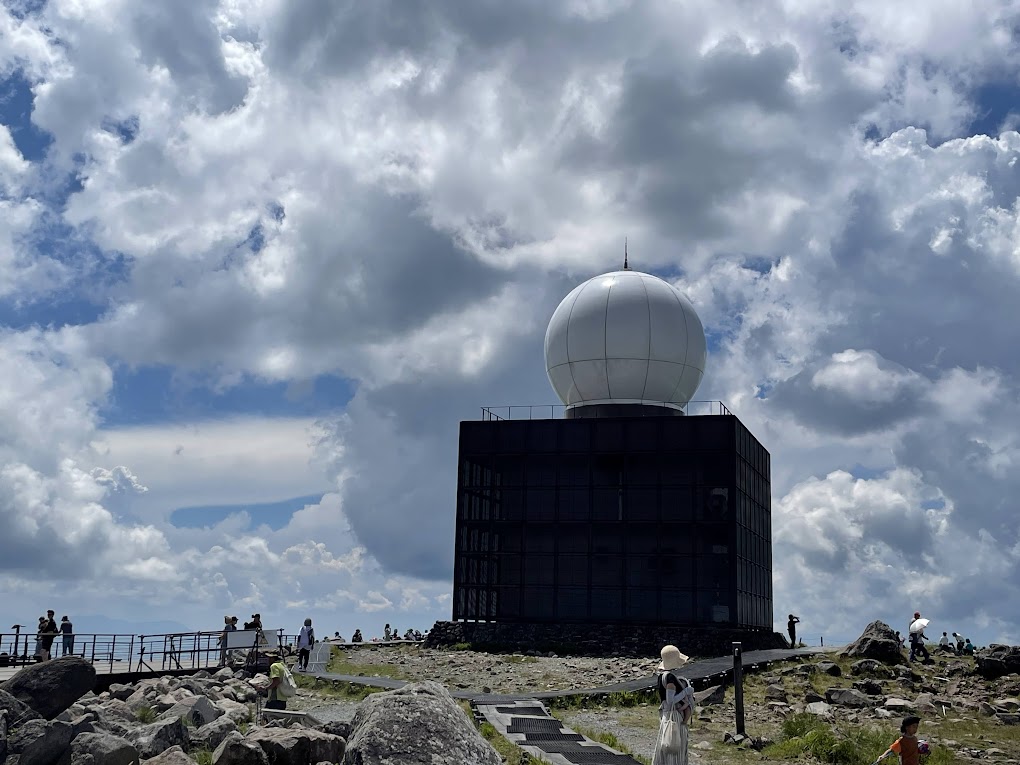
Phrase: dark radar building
[634,519]
[639,520]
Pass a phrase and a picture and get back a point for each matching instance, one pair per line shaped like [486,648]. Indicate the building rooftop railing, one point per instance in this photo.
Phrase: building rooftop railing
[557,411]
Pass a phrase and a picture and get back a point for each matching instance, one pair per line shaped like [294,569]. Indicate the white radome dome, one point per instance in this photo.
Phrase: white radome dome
[625,337]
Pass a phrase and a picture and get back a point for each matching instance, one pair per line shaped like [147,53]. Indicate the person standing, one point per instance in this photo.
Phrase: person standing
[49,634]
[305,641]
[959,643]
[791,627]
[917,638]
[907,746]
[275,698]
[676,708]
[67,633]
[38,653]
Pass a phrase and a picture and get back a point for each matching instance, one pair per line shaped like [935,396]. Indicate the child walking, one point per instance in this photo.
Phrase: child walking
[907,746]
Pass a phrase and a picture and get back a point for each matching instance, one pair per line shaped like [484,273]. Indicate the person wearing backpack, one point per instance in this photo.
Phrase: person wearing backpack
[676,708]
[305,642]
[281,685]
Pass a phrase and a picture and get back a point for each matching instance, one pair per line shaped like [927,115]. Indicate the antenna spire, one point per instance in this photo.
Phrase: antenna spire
[625,266]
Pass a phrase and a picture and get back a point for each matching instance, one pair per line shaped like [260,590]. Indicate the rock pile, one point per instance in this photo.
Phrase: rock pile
[47,719]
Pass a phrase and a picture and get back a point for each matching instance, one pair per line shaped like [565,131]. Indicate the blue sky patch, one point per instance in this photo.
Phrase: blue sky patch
[995,102]
[16,102]
[275,515]
[155,394]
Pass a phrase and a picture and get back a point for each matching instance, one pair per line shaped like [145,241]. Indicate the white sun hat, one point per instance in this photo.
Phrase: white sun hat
[672,658]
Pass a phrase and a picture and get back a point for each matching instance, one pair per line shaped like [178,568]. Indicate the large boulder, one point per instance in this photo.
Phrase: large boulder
[17,710]
[298,746]
[104,748]
[153,739]
[211,735]
[172,756]
[38,742]
[235,710]
[50,687]
[419,724]
[236,750]
[998,660]
[878,641]
[197,710]
[848,697]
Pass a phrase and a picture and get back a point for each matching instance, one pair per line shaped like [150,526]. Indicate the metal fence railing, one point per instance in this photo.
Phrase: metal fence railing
[110,653]
[557,411]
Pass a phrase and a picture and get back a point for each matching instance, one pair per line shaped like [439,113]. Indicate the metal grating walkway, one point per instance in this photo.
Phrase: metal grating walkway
[529,725]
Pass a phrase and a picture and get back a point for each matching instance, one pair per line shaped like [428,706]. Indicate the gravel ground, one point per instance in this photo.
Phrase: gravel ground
[512,673]
[638,740]
[323,709]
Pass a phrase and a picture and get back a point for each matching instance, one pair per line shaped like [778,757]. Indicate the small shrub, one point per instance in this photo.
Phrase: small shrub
[145,715]
[202,757]
[461,647]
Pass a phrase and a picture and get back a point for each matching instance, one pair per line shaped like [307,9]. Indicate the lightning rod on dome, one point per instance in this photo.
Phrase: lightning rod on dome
[625,266]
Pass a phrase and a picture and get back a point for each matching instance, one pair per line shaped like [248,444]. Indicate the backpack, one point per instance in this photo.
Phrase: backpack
[287,687]
[684,687]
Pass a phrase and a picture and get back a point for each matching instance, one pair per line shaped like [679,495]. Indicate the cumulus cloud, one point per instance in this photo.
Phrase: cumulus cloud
[400,197]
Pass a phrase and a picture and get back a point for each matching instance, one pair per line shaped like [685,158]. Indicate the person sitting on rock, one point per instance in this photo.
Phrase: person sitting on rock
[968,648]
[944,645]
[959,642]
[356,637]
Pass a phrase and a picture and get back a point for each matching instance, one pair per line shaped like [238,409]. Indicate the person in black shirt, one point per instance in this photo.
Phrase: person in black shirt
[791,627]
[67,631]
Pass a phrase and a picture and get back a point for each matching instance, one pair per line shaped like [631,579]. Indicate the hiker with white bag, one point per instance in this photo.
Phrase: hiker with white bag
[676,708]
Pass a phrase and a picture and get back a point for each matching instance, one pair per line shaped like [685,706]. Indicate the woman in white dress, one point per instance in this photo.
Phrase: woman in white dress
[676,708]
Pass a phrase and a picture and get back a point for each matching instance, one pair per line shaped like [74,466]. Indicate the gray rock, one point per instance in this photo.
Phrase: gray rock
[121,692]
[38,742]
[998,660]
[1008,719]
[299,746]
[198,710]
[237,712]
[869,686]
[211,735]
[50,687]
[236,750]
[119,709]
[819,708]
[153,739]
[104,748]
[878,641]
[848,697]
[391,727]
[775,693]
[17,711]
[870,668]
[710,696]
[811,696]
[830,668]
[896,704]
[224,674]
[82,724]
[172,756]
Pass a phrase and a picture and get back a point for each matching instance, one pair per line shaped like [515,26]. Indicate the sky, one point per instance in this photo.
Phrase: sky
[258,258]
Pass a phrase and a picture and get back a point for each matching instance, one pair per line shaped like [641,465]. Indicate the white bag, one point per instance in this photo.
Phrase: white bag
[287,687]
[670,741]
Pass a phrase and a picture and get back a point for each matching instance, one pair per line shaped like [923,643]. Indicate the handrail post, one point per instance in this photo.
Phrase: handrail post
[113,649]
[738,686]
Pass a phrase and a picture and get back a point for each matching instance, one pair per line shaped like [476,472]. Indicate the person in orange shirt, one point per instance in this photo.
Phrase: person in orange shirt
[907,746]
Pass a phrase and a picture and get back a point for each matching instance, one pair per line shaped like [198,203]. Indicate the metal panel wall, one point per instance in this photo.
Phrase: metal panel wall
[643,520]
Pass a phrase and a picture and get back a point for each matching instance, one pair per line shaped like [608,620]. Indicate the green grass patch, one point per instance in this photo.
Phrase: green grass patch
[340,664]
[805,735]
[623,699]
[202,757]
[461,647]
[145,715]
[336,689]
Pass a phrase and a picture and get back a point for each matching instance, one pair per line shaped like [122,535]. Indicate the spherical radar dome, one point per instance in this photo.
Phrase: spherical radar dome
[625,337]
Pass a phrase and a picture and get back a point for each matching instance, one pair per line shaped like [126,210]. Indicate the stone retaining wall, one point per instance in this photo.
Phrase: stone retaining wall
[596,639]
